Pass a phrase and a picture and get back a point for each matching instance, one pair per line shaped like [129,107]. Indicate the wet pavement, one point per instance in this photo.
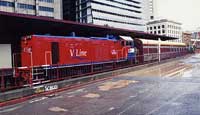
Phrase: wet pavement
[168,89]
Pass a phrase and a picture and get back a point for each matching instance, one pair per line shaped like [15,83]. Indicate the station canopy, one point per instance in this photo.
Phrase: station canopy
[13,26]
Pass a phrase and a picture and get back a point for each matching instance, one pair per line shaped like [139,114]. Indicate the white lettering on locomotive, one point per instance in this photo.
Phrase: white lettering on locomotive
[27,50]
[113,52]
[77,53]
[50,88]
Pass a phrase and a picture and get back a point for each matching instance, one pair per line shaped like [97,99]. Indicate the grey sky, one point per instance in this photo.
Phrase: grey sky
[184,11]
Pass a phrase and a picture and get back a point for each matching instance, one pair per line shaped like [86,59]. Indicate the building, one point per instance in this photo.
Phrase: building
[165,27]
[195,41]
[69,10]
[196,35]
[187,37]
[46,8]
[151,9]
[127,14]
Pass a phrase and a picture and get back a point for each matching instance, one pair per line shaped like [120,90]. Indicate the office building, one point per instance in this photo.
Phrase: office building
[151,9]
[165,27]
[69,10]
[126,14]
[46,8]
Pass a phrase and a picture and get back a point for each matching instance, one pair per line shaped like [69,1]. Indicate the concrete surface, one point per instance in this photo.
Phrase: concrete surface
[44,88]
[172,88]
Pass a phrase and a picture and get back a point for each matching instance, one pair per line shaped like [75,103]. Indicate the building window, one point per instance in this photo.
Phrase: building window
[158,27]
[116,14]
[110,20]
[84,13]
[115,6]
[49,1]
[154,27]
[154,32]
[163,26]
[151,28]
[158,31]
[5,3]
[25,6]
[47,9]
[163,31]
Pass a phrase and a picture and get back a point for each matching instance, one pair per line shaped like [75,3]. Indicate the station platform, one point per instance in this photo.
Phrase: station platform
[170,88]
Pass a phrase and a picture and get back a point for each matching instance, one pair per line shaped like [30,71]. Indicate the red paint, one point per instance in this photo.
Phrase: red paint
[37,50]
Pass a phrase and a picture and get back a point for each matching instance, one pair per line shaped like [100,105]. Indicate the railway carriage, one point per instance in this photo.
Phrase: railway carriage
[148,50]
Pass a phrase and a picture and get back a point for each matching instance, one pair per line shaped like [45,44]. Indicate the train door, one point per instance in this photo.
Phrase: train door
[48,59]
[55,52]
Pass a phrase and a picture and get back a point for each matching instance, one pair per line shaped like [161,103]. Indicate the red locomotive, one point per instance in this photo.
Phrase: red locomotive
[38,50]
[58,57]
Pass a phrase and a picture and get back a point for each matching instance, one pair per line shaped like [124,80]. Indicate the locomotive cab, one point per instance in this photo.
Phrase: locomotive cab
[128,43]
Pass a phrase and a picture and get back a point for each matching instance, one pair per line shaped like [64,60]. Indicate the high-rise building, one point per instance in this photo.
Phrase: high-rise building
[46,8]
[69,10]
[151,9]
[127,14]
[165,27]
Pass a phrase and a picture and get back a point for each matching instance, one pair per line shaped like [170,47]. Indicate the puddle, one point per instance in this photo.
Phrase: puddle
[58,97]
[76,91]
[166,70]
[92,95]
[57,109]
[115,85]
[112,108]
[38,100]
[10,109]
[71,96]
[178,71]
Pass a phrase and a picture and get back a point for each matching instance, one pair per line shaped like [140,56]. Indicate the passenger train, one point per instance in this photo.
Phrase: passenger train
[45,58]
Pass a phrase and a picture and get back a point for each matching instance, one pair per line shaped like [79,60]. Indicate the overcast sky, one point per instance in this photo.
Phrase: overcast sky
[184,11]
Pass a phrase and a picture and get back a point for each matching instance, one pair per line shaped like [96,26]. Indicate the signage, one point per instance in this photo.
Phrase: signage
[51,87]
[78,53]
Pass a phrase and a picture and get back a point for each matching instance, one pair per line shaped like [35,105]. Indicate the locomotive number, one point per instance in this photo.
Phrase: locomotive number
[50,88]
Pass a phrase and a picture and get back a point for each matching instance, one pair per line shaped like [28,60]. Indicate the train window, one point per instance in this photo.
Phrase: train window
[131,43]
[55,52]
[122,43]
[128,43]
